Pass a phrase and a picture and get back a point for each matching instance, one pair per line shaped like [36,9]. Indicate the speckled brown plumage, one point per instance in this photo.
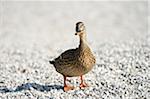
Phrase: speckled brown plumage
[76,62]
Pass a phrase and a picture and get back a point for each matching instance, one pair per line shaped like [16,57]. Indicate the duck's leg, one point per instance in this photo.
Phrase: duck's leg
[66,87]
[82,84]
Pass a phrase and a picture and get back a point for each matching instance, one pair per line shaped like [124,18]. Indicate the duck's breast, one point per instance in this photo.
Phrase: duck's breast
[87,60]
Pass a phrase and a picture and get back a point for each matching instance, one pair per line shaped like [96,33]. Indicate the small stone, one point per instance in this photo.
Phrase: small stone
[23,71]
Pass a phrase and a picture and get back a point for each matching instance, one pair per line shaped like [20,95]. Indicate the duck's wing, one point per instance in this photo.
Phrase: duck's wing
[67,57]
[67,63]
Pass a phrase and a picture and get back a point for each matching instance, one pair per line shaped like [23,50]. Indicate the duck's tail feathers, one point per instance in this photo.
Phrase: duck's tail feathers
[51,62]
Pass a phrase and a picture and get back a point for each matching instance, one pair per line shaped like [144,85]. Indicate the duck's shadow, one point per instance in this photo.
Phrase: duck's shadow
[29,86]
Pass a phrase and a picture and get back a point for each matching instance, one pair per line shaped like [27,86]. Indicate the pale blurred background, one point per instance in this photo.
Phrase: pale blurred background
[53,23]
[34,32]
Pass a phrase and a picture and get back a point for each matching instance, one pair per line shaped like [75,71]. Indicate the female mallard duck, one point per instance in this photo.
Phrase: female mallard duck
[75,62]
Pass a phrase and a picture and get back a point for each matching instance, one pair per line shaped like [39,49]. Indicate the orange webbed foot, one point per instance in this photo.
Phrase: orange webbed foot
[83,85]
[67,88]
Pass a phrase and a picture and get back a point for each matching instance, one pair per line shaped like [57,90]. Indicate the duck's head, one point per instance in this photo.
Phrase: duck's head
[80,28]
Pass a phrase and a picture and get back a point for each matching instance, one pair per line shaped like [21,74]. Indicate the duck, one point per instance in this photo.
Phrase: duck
[75,62]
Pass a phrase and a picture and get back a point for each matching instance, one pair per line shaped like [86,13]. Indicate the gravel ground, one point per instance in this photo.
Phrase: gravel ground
[121,71]
[28,40]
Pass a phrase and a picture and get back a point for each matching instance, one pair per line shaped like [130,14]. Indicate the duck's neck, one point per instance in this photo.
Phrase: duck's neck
[83,42]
